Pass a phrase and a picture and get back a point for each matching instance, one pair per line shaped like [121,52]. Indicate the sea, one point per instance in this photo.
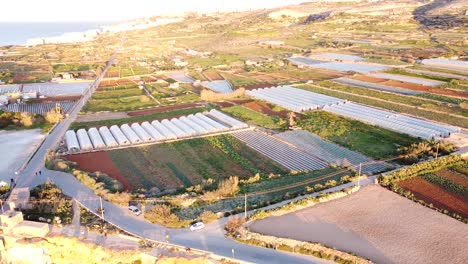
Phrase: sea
[18,33]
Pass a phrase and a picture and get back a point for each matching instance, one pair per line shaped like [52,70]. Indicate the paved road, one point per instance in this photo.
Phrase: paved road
[209,239]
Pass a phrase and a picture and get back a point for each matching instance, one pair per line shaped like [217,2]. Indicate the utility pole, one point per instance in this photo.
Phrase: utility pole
[437,150]
[245,206]
[359,174]
[102,209]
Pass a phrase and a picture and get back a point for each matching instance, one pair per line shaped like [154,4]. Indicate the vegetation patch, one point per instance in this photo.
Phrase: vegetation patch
[369,140]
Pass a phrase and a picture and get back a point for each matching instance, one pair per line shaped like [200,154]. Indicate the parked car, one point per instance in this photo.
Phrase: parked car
[197,226]
[134,210]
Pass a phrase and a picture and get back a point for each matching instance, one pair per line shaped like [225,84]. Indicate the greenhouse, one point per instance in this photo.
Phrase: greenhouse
[96,139]
[72,141]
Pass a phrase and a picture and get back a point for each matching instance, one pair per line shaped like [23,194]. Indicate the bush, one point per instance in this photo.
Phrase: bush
[233,224]
[208,216]
[419,168]
[162,214]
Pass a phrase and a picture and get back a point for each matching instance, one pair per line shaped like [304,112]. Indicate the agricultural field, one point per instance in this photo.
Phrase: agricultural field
[189,162]
[130,97]
[395,230]
[369,140]
[445,189]
[418,107]
[143,115]
[256,118]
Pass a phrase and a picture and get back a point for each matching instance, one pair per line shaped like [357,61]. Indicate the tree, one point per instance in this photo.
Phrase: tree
[27,120]
[54,115]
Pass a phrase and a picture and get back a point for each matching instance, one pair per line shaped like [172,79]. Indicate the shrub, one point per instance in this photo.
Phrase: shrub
[162,214]
[233,224]
[208,216]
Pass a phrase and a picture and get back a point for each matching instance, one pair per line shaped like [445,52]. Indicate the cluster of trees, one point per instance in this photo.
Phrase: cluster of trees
[424,150]
[27,120]
[418,169]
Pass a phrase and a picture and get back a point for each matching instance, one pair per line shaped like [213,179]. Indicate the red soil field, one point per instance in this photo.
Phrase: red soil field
[439,197]
[239,101]
[371,79]
[163,109]
[99,161]
[265,109]
[453,176]
[224,104]
[427,89]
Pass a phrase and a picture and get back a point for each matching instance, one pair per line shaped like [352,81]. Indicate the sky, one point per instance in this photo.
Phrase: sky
[118,10]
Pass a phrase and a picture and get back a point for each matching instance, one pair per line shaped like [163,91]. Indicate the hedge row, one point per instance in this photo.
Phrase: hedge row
[420,168]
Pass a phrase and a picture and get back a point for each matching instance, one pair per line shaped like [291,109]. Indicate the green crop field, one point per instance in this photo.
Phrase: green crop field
[255,118]
[372,141]
[189,162]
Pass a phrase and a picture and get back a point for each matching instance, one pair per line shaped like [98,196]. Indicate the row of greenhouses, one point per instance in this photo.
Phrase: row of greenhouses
[184,127]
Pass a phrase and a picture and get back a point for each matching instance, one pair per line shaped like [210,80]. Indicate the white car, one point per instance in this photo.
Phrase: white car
[197,226]
[134,210]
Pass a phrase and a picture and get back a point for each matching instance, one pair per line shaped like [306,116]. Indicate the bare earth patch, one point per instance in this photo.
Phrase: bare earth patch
[101,116]
[377,224]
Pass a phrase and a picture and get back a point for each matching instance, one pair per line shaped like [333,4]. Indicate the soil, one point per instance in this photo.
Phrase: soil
[56,99]
[163,109]
[212,75]
[224,104]
[434,194]
[114,82]
[257,85]
[370,79]
[239,101]
[99,161]
[453,176]
[426,89]
[100,116]
[265,109]
[378,224]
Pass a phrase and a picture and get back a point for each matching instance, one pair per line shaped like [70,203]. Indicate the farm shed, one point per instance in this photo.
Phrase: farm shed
[142,133]
[234,123]
[96,139]
[152,131]
[168,134]
[119,136]
[177,131]
[72,141]
[130,134]
[187,129]
[107,137]
[83,138]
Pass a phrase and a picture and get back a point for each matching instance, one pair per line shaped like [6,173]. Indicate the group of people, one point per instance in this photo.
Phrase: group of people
[40,172]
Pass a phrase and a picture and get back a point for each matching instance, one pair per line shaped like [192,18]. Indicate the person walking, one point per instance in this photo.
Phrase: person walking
[40,172]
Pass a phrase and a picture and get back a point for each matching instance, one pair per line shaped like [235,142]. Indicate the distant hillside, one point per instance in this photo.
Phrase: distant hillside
[443,14]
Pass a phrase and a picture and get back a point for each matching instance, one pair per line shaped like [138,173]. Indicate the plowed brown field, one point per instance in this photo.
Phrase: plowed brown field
[427,89]
[99,161]
[371,79]
[439,197]
[265,109]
